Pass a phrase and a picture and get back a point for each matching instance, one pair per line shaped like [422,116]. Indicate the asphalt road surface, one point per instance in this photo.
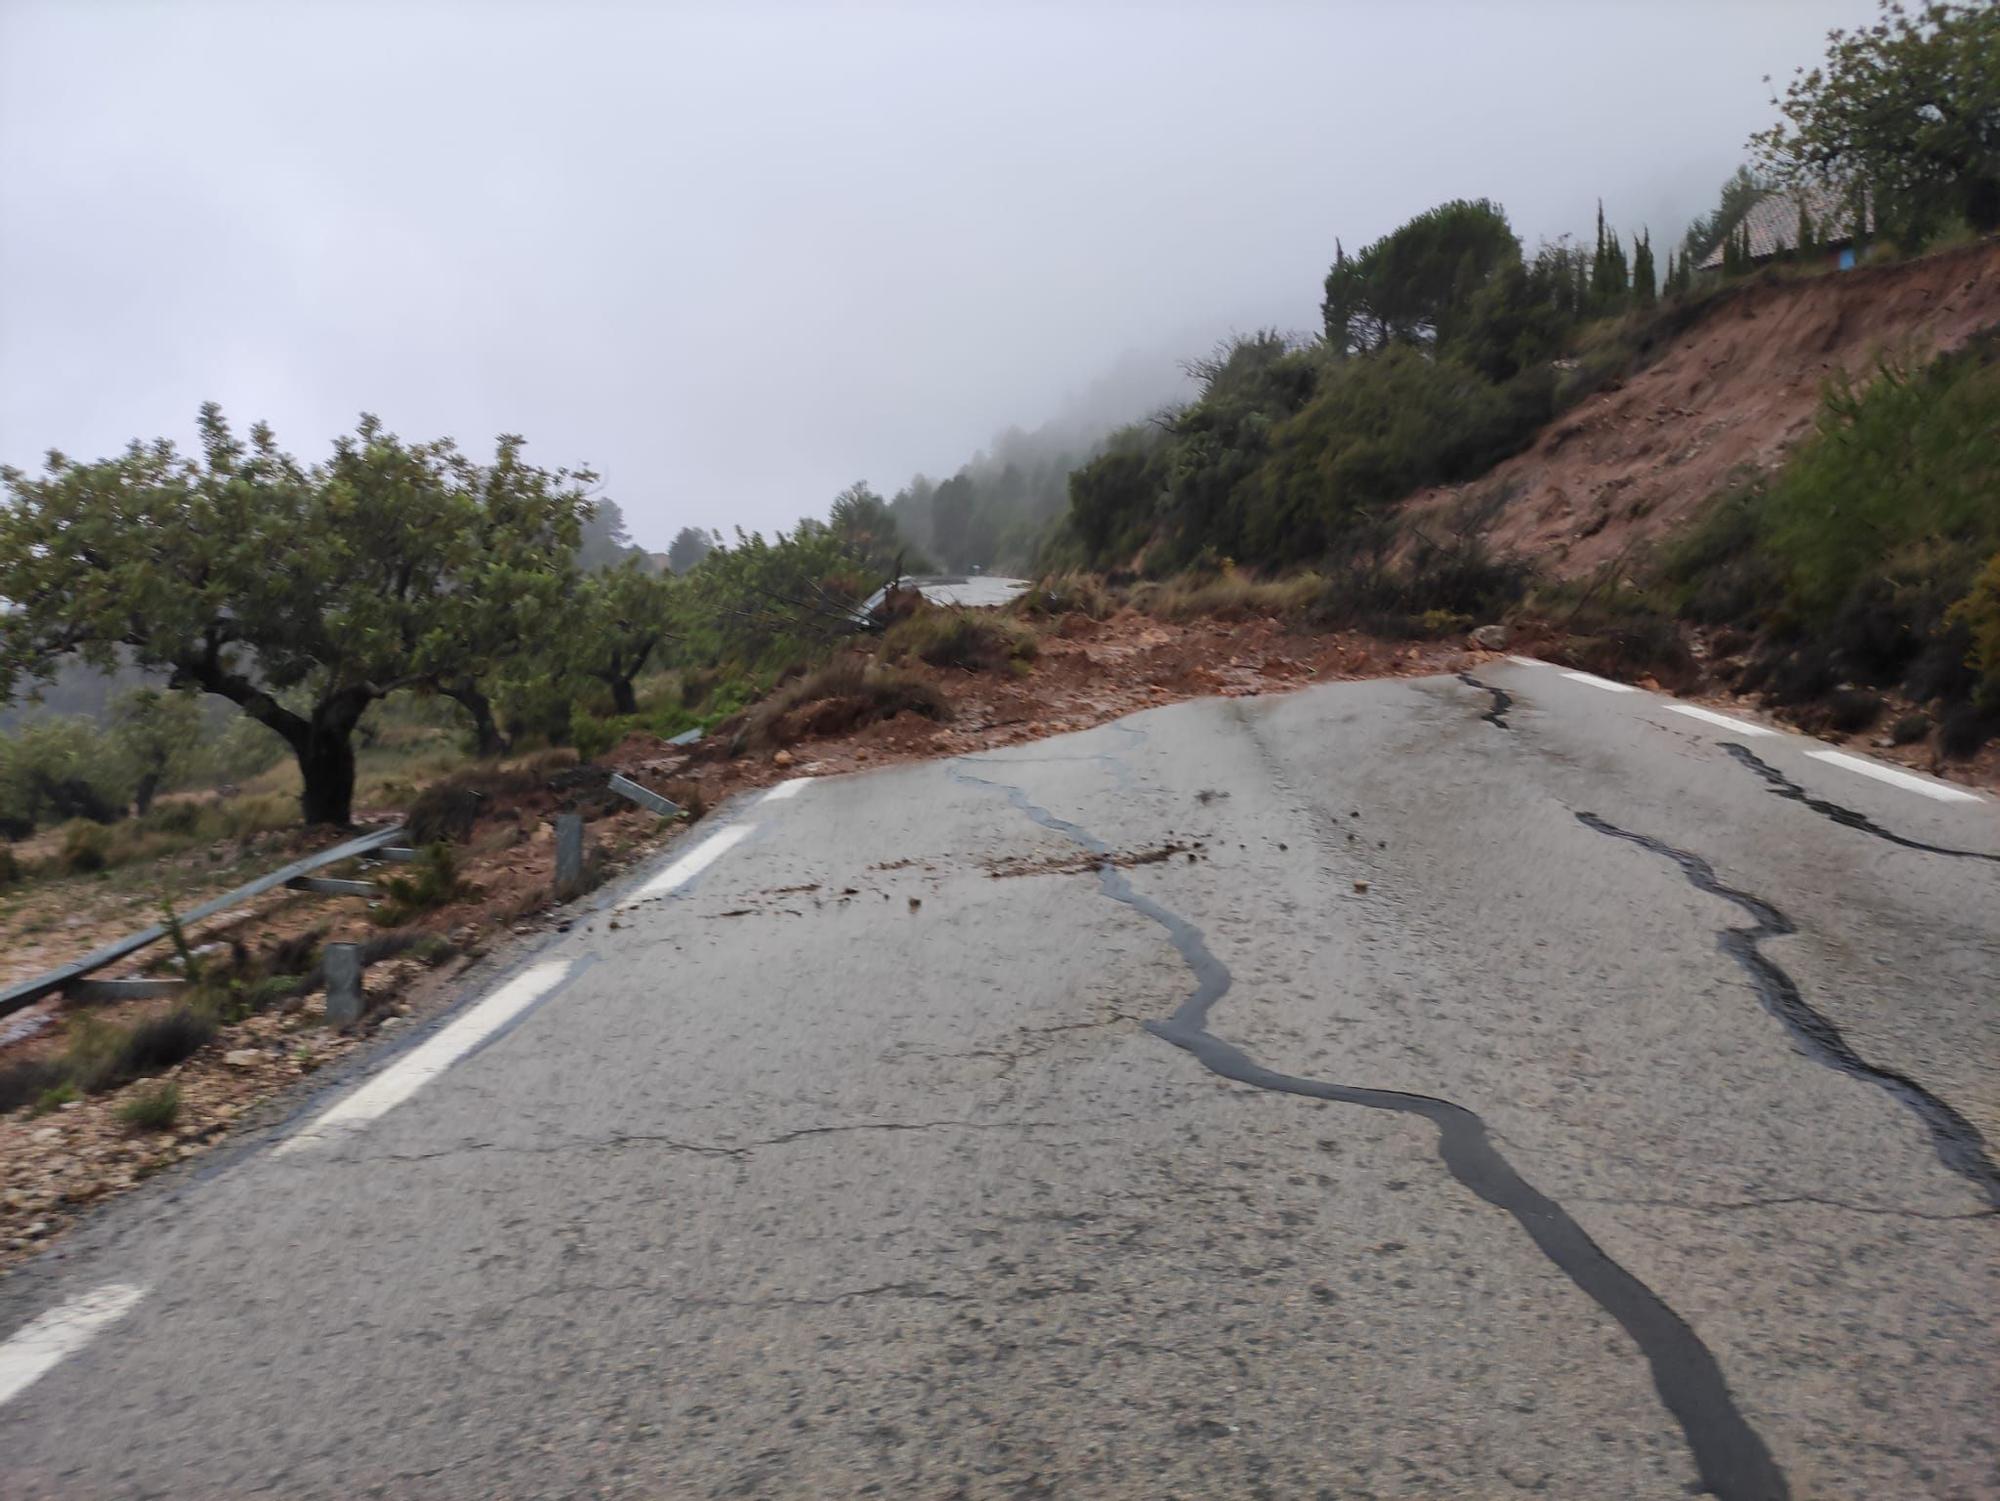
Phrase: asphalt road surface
[1539,1091]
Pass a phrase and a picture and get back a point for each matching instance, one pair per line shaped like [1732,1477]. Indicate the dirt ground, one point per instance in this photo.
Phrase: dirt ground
[1736,391]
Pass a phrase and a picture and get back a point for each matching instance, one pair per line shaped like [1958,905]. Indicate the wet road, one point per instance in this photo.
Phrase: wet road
[1417,1089]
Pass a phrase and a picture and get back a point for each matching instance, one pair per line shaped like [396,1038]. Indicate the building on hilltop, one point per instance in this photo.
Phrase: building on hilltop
[1771,228]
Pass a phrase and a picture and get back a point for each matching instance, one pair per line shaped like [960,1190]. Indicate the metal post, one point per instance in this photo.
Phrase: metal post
[569,855]
[342,962]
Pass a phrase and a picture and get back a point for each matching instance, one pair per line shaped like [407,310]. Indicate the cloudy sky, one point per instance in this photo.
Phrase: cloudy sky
[737,255]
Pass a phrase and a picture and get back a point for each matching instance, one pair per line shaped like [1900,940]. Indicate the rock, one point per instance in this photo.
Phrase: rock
[46,1135]
[1492,637]
[13,1198]
[1361,886]
[242,1058]
[782,758]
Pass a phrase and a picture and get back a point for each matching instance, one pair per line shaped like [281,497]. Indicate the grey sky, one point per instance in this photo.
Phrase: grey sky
[736,256]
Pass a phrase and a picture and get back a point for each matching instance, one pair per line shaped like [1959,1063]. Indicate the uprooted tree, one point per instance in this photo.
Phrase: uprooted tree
[301,594]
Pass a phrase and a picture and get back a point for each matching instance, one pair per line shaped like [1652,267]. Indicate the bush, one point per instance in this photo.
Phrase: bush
[152,1109]
[10,866]
[52,1100]
[843,696]
[159,1042]
[593,736]
[1229,595]
[1067,593]
[1852,710]
[1860,560]
[1978,614]
[975,640]
[29,1081]
[1911,728]
[433,882]
[1442,588]
[86,847]
[101,1056]
[1964,728]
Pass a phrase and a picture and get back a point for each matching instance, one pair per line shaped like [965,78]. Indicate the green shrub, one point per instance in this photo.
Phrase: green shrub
[154,1108]
[55,1097]
[1861,560]
[10,867]
[593,736]
[433,882]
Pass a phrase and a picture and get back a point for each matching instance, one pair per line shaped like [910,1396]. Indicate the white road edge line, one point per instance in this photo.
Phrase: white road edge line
[1597,682]
[1526,661]
[1709,716]
[690,865]
[428,1059]
[44,1342]
[786,789]
[1944,792]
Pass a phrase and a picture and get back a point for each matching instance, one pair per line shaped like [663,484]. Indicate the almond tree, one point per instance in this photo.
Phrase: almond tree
[301,594]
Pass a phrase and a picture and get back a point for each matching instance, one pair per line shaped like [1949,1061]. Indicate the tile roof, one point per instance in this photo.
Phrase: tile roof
[1773,221]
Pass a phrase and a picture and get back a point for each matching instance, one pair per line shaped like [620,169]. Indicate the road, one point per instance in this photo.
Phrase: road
[1416,1088]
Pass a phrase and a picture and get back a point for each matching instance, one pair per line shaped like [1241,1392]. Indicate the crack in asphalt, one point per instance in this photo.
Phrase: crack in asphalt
[1778,1201]
[1012,1058]
[1957,1141]
[1783,786]
[1502,701]
[1730,1456]
[698,1148]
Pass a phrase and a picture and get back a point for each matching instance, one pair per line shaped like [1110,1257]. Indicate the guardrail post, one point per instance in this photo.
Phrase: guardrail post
[342,962]
[569,855]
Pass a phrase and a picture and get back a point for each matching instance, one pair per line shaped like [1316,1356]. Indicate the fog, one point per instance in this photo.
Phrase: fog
[737,256]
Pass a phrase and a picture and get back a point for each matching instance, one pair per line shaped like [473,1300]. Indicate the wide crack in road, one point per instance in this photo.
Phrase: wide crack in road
[1730,1456]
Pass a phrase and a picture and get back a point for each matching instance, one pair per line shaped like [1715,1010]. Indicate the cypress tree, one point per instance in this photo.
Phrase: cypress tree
[1643,285]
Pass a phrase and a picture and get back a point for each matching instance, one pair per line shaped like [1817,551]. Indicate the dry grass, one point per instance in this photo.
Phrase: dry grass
[1229,596]
[1068,594]
[842,696]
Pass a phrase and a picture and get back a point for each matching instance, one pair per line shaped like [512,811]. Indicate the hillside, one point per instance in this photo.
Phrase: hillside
[1737,388]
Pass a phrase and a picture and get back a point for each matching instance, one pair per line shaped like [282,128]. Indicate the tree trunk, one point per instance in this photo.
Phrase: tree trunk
[322,744]
[623,699]
[488,741]
[326,762]
[142,795]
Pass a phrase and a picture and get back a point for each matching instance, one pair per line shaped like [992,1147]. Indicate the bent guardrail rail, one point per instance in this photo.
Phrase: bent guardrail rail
[27,992]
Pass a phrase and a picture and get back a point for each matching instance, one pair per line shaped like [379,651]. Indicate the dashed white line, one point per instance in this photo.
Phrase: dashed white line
[692,864]
[786,789]
[421,1064]
[1944,792]
[1741,726]
[1597,682]
[43,1342]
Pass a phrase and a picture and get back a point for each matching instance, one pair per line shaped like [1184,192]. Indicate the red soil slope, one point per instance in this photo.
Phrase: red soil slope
[1737,389]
